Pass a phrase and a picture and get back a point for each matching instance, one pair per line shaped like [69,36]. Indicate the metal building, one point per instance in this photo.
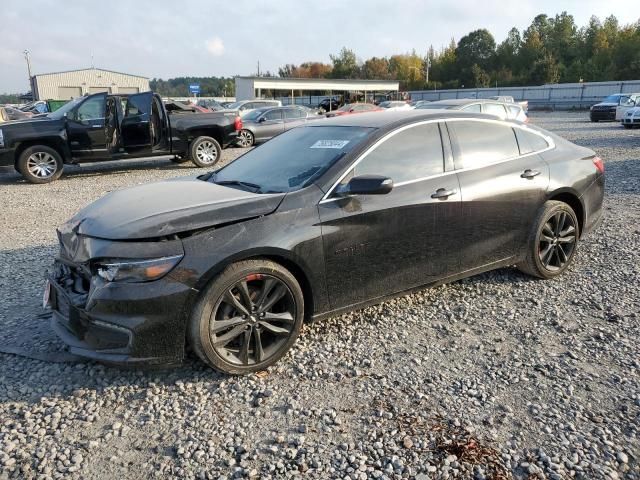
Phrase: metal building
[248,88]
[75,83]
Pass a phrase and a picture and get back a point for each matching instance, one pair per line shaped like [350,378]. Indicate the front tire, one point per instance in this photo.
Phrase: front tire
[205,151]
[246,139]
[627,126]
[553,242]
[40,164]
[247,318]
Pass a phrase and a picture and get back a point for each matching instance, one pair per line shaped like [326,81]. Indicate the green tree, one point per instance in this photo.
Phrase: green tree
[345,64]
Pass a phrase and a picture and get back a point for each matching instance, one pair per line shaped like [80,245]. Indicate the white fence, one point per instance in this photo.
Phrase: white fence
[562,96]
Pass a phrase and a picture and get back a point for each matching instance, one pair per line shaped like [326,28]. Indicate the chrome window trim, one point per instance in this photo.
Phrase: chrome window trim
[549,140]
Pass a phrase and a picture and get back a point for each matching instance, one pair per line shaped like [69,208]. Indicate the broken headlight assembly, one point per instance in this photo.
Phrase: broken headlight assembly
[132,271]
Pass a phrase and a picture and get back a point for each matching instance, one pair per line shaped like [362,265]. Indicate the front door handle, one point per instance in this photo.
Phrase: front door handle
[528,173]
[443,193]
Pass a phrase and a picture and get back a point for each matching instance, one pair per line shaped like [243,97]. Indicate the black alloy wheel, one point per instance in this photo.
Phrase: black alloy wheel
[253,320]
[557,241]
[553,241]
[248,317]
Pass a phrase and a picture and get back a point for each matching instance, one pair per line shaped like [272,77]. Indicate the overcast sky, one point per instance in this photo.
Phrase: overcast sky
[164,39]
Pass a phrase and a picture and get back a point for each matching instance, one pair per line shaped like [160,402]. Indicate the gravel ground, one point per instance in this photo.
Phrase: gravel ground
[496,376]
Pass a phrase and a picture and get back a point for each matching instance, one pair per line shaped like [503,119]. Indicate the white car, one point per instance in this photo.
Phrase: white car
[627,102]
[631,117]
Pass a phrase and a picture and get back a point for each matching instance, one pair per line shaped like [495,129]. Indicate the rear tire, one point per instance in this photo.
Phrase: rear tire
[246,139]
[205,151]
[248,317]
[40,164]
[553,241]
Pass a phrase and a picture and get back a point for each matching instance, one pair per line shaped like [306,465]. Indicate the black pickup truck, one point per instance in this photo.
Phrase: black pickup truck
[111,127]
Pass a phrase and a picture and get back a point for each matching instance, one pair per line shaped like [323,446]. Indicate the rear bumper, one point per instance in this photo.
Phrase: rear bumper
[232,138]
[129,324]
[602,114]
[592,200]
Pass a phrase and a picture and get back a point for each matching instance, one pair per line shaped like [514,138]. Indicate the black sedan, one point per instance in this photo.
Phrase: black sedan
[324,218]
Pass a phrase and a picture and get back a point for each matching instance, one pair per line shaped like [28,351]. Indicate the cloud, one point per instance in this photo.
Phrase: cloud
[215,46]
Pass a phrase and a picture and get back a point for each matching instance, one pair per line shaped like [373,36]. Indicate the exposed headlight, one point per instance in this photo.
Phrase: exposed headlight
[1,139]
[121,270]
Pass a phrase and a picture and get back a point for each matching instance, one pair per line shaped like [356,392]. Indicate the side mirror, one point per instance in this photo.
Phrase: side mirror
[262,119]
[366,185]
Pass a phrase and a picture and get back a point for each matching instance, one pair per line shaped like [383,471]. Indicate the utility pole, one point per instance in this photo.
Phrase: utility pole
[28,59]
[427,70]
[258,67]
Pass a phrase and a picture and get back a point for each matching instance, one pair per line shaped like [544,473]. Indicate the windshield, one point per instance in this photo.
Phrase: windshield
[234,105]
[293,159]
[59,113]
[345,108]
[612,99]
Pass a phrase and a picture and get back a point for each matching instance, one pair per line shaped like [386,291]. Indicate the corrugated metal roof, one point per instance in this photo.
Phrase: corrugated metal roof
[89,69]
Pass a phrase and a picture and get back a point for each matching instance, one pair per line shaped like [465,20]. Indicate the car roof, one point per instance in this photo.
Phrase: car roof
[396,117]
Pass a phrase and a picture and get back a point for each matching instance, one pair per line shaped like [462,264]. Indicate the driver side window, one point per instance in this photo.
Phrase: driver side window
[91,109]
[411,154]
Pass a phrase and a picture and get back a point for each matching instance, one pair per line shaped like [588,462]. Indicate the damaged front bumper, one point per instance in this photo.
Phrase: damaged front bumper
[117,322]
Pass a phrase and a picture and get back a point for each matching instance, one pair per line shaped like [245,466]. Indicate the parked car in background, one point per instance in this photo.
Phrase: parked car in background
[631,118]
[110,127]
[265,123]
[509,99]
[511,111]
[391,105]
[606,109]
[417,103]
[351,108]
[325,218]
[329,104]
[245,106]
[626,104]
[211,105]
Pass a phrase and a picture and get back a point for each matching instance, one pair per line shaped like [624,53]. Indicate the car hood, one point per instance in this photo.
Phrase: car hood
[606,104]
[167,208]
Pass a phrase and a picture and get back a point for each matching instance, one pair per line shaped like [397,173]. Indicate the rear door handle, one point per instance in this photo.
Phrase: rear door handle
[443,193]
[528,173]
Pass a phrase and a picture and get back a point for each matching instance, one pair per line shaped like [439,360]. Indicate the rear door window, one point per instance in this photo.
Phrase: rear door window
[290,113]
[411,154]
[272,115]
[479,143]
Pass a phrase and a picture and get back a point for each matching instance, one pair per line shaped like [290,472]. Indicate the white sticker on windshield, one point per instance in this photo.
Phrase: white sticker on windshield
[329,144]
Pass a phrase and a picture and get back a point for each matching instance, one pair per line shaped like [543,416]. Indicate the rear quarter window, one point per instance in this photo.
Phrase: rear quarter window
[529,142]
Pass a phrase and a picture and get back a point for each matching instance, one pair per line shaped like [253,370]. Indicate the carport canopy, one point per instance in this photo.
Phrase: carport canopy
[248,88]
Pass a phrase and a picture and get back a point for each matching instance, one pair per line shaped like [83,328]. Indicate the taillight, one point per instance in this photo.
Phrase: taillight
[237,124]
[597,161]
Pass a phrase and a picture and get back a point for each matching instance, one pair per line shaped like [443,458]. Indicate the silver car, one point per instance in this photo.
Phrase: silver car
[261,124]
